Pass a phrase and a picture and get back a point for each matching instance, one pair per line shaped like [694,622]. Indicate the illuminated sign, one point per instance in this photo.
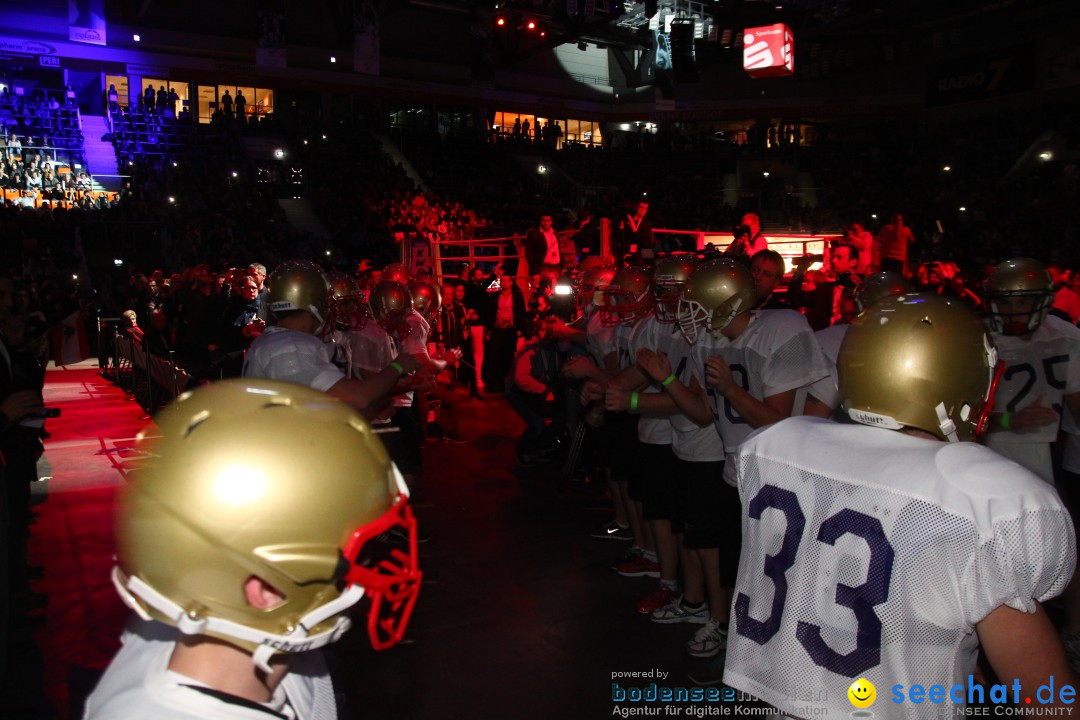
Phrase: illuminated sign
[769,51]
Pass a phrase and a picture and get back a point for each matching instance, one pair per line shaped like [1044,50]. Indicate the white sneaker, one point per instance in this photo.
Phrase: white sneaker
[677,612]
[708,641]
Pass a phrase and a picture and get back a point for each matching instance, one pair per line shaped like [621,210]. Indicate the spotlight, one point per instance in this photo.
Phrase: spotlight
[172,199]
[279,153]
[500,21]
[531,25]
[1045,155]
[136,38]
[333,59]
[963,209]
[234,173]
[946,168]
[873,215]
[541,169]
[765,174]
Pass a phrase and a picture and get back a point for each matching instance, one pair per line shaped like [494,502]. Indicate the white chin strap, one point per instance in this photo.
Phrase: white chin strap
[945,423]
[299,640]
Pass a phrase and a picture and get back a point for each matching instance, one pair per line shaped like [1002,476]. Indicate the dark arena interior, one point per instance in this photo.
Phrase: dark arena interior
[486,227]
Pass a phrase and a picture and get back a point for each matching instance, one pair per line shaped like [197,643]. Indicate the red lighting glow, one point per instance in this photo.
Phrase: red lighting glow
[531,25]
[500,21]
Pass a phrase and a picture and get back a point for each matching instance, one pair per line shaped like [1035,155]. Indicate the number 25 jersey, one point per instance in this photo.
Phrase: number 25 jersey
[872,554]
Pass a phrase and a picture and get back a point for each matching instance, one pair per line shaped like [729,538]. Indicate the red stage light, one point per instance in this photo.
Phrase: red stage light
[531,25]
[500,21]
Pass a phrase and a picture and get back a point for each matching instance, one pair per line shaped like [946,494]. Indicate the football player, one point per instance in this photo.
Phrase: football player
[660,489]
[294,350]
[242,553]
[1042,364]
[892,549]
[753,361]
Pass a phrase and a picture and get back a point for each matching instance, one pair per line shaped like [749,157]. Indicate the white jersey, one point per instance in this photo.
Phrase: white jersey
[777,352]
[1043,369]
[827,390]
[870,553]
[599,338]
[690,441]
[139,684]
[372,347]
[292,356]
[648,333]
[416,341]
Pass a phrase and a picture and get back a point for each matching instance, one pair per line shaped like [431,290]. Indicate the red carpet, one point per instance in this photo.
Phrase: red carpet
[73,536]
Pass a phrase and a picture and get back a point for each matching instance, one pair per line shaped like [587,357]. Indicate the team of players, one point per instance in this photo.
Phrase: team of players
[829,552]
[811,552]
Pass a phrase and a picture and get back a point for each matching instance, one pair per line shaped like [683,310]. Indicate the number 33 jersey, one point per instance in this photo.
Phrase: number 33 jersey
[872,554]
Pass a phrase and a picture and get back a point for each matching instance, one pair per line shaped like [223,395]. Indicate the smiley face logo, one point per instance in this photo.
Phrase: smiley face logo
[862,693]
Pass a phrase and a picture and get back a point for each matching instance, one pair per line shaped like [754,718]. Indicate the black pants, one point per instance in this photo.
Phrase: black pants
[499,352]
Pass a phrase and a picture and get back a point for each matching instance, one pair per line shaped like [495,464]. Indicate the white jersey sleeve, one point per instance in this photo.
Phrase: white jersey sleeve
[870,553]
[291,356]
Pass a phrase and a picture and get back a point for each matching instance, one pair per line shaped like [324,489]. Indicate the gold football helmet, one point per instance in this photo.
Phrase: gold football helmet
[715,293]
[879,286]
[395,272]
[426,298]
[628,297]
[301,285]
[669,279]
[345,299]
[223,498]
[1019,293]
[919,360]
[593,279]
[389,303]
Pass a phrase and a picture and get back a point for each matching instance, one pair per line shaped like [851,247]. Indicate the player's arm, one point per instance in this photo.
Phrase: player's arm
[1025,646]
[362,394]
[755,412]
[690,401]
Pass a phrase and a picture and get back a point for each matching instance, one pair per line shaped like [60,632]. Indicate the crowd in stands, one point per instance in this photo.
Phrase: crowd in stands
[40,144]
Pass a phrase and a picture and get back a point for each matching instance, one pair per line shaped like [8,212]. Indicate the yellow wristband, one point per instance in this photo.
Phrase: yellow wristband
[397,366]
[668,380]
[633,401]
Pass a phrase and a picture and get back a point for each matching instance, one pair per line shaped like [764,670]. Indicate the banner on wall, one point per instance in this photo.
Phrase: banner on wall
[270,46]
[769,51]
[86,21]
[366,47]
